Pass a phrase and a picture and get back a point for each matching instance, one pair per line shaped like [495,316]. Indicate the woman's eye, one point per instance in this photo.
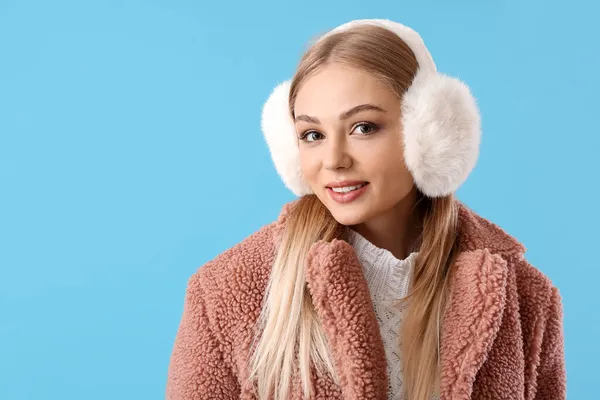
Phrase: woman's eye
[310,136]
[366,128]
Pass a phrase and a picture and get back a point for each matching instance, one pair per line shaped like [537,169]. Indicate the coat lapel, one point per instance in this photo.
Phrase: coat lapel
[475,309]
[341,298]
[471,320]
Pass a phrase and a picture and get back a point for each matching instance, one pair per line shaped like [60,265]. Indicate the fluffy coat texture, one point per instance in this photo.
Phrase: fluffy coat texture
[502,334]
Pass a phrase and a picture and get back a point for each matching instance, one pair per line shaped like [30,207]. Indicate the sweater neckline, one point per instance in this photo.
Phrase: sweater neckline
[387,276]
[358,240]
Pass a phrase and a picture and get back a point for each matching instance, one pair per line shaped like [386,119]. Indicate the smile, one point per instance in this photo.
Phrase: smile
[347,194]
[347,189]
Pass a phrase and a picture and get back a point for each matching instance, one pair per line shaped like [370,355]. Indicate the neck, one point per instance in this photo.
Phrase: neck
[396,230]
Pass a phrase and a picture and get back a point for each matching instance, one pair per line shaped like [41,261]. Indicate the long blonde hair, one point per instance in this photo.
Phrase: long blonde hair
[289,337]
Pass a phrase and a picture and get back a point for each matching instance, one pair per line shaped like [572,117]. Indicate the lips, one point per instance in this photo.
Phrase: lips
[347,183]
[347,189]
[349,192]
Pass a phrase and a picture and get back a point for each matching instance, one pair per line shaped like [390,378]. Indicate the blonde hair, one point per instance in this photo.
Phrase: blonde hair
[289,337]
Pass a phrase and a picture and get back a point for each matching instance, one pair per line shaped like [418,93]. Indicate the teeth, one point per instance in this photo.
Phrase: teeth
[347,188]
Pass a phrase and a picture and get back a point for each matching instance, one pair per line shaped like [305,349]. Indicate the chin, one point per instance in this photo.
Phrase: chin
[349,214]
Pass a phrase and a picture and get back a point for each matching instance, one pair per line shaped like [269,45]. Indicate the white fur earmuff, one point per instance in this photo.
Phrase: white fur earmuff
[440,120]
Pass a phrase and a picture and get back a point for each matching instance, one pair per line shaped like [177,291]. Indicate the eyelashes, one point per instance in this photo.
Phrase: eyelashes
[304,136]
[372,129]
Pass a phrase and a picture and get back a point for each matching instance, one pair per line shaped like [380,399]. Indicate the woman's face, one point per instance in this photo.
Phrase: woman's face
[349,129]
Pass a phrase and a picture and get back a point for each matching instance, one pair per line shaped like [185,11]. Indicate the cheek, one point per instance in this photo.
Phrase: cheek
[384,156]
[394,177]
[308,165]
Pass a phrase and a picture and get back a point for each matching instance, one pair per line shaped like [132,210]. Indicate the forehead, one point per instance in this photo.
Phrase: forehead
[335,88]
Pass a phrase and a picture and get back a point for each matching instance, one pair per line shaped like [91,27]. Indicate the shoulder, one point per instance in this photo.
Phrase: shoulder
[232,284]
[236,270]
[248,258]
[477,232]
[538,295]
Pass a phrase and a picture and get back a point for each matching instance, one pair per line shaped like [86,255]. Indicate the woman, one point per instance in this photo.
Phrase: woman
[377,282]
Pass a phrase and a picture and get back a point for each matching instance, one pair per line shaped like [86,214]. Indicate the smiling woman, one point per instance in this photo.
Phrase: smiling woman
[377,283]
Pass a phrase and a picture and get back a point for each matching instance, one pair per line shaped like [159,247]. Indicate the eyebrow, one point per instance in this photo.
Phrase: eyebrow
[344,115]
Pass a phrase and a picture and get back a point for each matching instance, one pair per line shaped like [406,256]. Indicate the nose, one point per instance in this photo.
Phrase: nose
[336,155]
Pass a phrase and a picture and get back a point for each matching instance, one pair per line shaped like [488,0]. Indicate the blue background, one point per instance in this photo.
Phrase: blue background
[131,154]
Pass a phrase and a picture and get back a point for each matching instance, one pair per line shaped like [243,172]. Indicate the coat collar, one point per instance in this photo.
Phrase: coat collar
[471,318]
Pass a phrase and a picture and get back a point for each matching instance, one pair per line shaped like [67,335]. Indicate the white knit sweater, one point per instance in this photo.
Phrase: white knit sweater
[388,279]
